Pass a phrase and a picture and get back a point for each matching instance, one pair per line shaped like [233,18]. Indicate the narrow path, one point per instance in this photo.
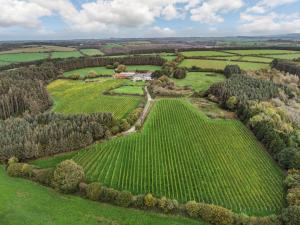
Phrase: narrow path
[143,115]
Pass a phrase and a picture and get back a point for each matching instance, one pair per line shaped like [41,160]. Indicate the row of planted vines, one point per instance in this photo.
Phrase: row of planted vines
[182,154]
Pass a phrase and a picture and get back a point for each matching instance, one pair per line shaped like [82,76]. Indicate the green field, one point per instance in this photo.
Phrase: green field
[22,57]
[287,56]
[91,52]
[129,90]
[62,55]
[104,71]
[189,157]
[71,97]
[199,81]
[218,64]
[27,203]
[85,71]
[4,63]
[261,52]
[204,53]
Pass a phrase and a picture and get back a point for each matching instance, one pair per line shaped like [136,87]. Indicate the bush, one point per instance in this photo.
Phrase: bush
[192,209]
[124,198]
[67,176]
[231,102]
[179,73]
[121,68]
[138,201]
[44,176]
[231,70]
[167,205]
[291,215]
[216,215]
[74,77]
[149,200]
[124,125]
[83,187]
[93,191]
[12,160]
[19,170]
[108,194]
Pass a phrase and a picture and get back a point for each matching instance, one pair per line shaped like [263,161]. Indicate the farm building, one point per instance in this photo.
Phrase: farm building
[135,76]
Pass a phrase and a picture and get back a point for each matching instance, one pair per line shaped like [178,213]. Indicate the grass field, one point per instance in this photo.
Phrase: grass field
[22,57]
[218,64]
[189,157]
[24,202]
[85,71]
[199,81]
[129,90]
[71,97]
[91,52]
[204,53]
[261,52]
[39,48]
[287,56]
[104,71]
[62,55]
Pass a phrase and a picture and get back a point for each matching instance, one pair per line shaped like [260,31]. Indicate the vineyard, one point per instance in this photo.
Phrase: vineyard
[182,154]
[79,97]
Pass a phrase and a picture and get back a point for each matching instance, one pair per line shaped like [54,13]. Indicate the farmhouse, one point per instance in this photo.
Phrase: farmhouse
[135,76]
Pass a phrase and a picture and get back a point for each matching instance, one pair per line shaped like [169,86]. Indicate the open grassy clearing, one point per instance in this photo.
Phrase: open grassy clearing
[104,71]
[91,52]
[246,58]
[189,157]
[42,48]
[61,55]
[4,63]
[112,45]
[218,64]
[204,53]
[27,203]
[23,57]
[85,71]
[260,52]
[71,97]
[287,56]
[129,90]
[199,81]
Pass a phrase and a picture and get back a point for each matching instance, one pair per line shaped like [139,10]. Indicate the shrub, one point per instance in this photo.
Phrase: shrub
[93,191]
[83,187]
[115,129]
[121,68]
[291,215]
[149,200]
[216,215]
[67,176]
[138,201]
[231,102]
[124,125]
[74,77]
[12,160]
[44,176]
[192,208]
[167,205]
[108,194]
[19,170]
[231,69]
[179,73]
[124,198]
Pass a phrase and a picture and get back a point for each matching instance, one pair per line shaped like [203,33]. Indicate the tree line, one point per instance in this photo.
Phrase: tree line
[49,133]
[287,66]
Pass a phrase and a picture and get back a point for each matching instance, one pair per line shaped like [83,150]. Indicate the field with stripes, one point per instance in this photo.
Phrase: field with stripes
[180,153]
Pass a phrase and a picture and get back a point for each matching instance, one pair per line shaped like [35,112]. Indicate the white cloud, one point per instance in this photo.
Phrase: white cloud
[21,13]
[170,12]
[269,23]
[162,32]
[264,5]
[211,11]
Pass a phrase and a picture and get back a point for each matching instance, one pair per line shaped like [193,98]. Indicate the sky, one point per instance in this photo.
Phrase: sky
[100,19]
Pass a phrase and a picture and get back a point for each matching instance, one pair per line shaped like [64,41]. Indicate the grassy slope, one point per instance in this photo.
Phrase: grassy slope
[200,81]
[205,53]
[260,52]
[188,157]
[23,57]
[61,55]
[104,71]
[27,203]
[91,52]
[129,90]
[80,97]
[217,64]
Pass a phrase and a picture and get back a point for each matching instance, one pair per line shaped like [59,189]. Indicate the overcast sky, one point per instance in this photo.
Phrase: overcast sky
[71,19]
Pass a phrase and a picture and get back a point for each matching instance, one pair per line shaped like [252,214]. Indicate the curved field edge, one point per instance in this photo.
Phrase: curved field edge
[73,97]
[28,203]
[190,157]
